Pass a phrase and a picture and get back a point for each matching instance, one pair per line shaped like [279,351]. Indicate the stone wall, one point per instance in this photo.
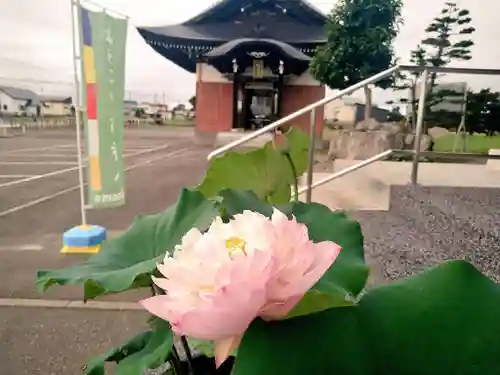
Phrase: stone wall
[370,138]
[357,145]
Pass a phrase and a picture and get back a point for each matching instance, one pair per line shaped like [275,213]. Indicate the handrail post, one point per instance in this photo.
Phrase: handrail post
[312,149]
[420,126]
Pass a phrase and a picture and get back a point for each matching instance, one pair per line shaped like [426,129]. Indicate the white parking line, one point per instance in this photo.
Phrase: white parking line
[38,177]
[141,146]
[149,150]
[33,149]
[30,247]
[150,145]
[68,304]
[173,154]
[38,163]
[18,175]
[128,150]
[41,155]
[134,149]
[61,171]
[72,155]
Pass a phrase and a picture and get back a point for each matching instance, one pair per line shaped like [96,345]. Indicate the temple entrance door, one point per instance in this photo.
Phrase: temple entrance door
[259,106]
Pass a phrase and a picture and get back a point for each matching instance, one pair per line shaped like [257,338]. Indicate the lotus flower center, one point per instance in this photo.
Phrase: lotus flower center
[206,289]
[235,244]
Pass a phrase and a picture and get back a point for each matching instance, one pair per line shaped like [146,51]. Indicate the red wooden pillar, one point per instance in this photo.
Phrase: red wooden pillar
[300,96]
[214,104]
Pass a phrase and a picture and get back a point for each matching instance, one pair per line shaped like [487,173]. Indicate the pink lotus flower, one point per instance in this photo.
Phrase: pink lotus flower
[218,282]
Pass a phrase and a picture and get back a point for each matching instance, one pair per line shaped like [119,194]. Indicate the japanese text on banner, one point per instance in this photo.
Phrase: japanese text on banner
[106,37]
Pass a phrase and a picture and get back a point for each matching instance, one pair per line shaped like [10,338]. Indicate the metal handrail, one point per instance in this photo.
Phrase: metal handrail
[347,170]
[347,91]
[300,112]
[451,70]
[426,70]
[448,155]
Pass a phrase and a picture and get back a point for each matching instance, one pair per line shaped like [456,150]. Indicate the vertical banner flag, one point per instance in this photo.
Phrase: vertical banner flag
[102,41]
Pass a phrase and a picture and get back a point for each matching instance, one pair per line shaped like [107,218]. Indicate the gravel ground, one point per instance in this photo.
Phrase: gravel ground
[427,226]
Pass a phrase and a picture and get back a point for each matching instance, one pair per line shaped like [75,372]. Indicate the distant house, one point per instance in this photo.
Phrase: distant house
[19,102]
[152,109]
[347,112]
[159,108]
[146,107]
[129,107]
[56,105]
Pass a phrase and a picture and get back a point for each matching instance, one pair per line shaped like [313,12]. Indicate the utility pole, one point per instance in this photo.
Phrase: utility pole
[40,105]
[75,9]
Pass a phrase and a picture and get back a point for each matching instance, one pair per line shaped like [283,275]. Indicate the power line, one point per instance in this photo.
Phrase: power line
[19,61]
[41,82]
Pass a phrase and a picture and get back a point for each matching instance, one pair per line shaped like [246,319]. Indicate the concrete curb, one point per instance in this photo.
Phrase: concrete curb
[68,304]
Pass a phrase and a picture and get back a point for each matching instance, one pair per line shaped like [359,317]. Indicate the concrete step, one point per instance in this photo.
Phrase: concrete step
[491,164]
[429,174]
[215,140]
[356,191]
[224,138]
[369,188]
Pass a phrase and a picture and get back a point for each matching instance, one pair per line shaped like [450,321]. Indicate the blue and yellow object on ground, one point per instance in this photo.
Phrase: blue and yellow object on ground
[83,239]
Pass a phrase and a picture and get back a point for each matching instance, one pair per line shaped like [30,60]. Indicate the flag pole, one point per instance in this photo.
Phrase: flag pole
[84,238]
[75,4]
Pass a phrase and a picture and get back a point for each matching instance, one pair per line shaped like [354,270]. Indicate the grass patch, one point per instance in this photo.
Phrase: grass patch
[477,143]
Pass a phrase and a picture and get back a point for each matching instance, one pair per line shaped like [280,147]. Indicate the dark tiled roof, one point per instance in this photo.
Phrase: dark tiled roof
[21,94]
[283,30]
[226,9]
[295,22]
[57,99]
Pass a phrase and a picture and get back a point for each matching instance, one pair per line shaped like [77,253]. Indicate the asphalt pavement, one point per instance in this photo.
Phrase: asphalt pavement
[54,333]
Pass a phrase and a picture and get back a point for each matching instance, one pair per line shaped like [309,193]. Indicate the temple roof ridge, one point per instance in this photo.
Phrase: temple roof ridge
[222,5]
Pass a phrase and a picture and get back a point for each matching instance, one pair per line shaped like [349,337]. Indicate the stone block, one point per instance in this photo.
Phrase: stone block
[493,164]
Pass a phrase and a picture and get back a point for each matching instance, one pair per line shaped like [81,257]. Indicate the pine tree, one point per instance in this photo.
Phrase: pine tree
[441,46]
[448,40]
[192,101]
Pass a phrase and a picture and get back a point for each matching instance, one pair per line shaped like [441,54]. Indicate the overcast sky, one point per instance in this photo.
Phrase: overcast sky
[35,43]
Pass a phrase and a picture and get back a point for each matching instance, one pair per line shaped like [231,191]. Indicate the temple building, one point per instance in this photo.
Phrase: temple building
[251,59]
